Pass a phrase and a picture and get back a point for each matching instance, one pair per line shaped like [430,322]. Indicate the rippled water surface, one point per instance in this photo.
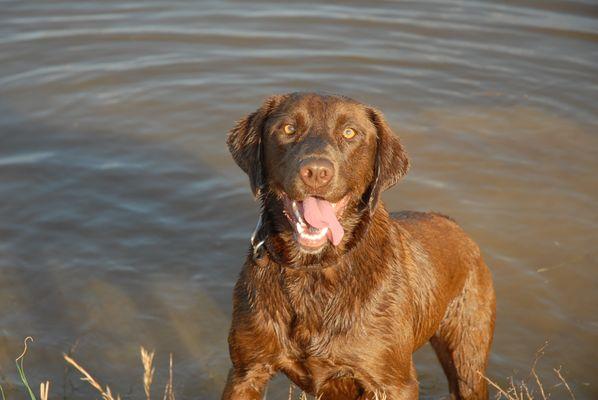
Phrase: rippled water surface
[123,220]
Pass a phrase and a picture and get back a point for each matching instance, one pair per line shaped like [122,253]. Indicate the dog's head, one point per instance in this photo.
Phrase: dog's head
[321,163]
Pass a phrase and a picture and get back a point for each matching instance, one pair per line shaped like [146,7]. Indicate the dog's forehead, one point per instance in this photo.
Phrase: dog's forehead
[323,106]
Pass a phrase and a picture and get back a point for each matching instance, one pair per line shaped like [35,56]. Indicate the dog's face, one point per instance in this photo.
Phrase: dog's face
[322,162]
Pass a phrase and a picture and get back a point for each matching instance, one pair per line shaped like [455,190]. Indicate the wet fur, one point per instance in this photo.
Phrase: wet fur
[344,323]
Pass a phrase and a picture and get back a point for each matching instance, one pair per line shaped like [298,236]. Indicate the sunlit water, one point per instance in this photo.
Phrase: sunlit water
[124,222]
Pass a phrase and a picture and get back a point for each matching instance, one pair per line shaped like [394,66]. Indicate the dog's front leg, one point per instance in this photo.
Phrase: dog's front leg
[404,391]
[248,383]
[400,382]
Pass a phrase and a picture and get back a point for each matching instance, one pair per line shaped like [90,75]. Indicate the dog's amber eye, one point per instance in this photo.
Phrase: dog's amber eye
[289,129]
[349,133]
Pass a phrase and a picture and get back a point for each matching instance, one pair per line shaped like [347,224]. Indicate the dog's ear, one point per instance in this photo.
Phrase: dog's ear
[245,142]
[391,159]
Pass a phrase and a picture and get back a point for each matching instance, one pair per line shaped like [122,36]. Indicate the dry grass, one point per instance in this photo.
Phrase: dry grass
[530,388]
[303,396]
[44,389]
[147,360]
[169,389]
[106,393]
[524,389]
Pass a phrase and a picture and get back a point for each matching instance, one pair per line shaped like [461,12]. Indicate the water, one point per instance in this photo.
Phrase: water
[124,222]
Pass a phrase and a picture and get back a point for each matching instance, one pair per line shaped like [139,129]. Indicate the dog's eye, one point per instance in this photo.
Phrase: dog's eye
[349,133]
[289,129]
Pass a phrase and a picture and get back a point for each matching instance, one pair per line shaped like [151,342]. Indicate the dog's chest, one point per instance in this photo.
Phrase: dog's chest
[315,333]
[309,339]
[318,322]
[314,355]
[321,312]
[323,375]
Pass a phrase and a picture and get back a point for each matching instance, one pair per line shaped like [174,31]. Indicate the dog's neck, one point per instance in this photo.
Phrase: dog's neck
[331,298]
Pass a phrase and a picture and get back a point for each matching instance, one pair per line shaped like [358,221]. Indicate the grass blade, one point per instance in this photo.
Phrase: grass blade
[21,370]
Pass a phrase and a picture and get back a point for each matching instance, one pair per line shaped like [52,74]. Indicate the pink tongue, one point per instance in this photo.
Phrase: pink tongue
[320,214]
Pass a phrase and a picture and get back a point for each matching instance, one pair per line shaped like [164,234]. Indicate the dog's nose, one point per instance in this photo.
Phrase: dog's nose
[317,172]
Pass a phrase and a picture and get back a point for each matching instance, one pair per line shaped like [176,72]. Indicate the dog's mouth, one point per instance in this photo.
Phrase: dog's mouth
[315,221]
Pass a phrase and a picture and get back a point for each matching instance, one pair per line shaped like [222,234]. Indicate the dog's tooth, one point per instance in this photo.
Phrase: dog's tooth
[295,208]
[315,236]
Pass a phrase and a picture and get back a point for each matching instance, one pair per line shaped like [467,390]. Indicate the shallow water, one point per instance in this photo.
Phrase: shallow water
[123,220]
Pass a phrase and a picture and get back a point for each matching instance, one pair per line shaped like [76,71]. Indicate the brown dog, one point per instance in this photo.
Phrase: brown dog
[335,292]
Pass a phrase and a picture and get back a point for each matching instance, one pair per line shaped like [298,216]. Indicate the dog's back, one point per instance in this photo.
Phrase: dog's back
[455,292]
